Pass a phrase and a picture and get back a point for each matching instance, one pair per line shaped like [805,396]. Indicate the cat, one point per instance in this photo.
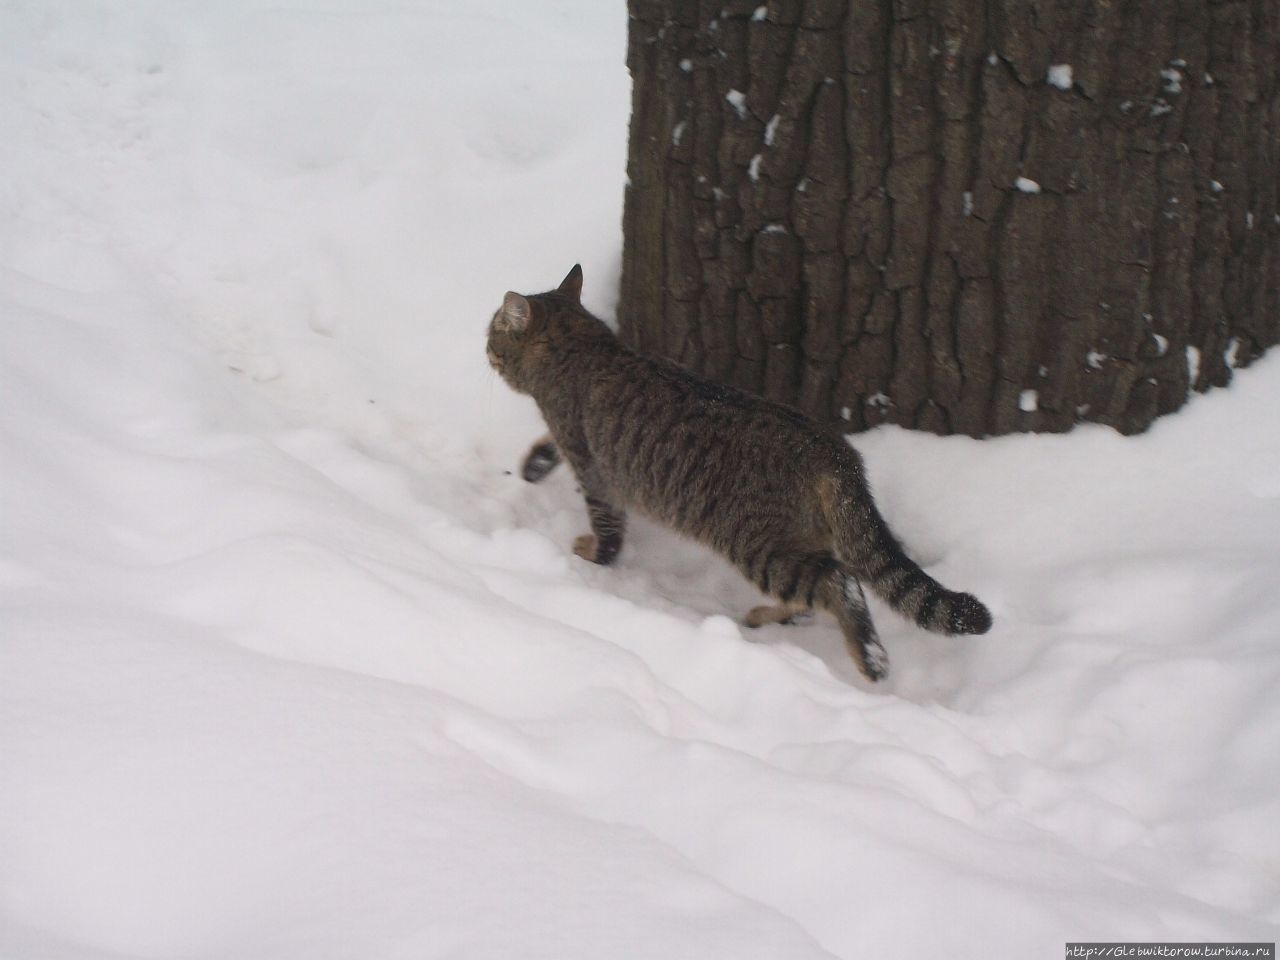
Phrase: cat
[782,498]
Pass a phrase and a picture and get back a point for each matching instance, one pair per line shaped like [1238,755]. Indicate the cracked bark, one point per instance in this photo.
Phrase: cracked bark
[823,204]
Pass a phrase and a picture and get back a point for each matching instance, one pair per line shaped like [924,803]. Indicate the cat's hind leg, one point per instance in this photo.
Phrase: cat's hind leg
[777,613]
[791,576]
[802,579]
[841,593]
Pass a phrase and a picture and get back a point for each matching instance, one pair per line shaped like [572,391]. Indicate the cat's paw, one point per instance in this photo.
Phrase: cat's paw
[587,547]
[872,660]
[542,458]
[769,613]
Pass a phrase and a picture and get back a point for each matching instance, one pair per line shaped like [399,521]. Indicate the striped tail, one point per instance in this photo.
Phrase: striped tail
[866,545]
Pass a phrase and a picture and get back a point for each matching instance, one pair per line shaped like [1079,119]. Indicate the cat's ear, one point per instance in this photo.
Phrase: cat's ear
[572,284]
[514,315]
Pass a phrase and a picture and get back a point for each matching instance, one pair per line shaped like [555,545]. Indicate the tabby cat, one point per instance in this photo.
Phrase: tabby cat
[785,500]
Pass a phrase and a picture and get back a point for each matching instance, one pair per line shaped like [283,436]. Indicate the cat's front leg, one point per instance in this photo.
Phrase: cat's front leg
[608,524]
[607,516]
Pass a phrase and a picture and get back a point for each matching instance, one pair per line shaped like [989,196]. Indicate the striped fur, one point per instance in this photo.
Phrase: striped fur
[778,495]
[877,559]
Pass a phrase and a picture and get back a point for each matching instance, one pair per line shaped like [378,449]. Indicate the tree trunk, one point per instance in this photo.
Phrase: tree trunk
[962,216]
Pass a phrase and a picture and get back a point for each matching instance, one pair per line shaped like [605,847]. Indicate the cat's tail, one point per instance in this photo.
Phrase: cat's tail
[868,547]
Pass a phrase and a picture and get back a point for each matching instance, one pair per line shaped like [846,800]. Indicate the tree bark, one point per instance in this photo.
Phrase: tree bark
[965,216]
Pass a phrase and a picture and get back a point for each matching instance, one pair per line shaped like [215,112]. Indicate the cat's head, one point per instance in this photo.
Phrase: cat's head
[519,331]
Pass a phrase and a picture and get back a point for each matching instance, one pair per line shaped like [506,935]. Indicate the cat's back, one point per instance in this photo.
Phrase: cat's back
[690,451]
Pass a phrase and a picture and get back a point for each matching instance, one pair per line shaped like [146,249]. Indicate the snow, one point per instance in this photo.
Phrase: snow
[1027,185]
[1232,354]
[1029,401]
[771,129]
[292,666]
[879,400]
[738,100]
[1060,76]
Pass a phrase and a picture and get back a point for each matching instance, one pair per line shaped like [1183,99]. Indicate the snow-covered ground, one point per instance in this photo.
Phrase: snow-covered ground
[293,666]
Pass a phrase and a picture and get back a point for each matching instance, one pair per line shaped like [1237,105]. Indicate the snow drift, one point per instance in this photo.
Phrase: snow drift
[293,665]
